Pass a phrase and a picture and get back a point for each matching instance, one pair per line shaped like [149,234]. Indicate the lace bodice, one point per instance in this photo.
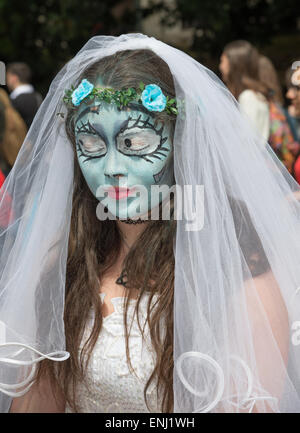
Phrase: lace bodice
[112,386]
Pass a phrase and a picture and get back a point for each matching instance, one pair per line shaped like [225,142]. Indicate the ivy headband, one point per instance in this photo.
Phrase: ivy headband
[150,96]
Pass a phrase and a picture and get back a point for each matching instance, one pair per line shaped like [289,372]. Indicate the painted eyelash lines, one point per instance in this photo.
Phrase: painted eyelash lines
[140,123]
[86,127]
[160,151]
[78,147]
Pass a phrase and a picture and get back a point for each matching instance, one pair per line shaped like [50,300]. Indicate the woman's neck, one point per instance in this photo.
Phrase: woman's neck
[130,232]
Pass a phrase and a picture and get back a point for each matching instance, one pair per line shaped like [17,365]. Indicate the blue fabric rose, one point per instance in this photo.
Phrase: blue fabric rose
[153,98]
[82,91]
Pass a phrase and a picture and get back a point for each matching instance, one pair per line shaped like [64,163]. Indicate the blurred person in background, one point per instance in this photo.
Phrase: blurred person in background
[281,138]
[23,95]
[268,75]
[2,120]
[239,67]
[291,95]
[5,199]
[12,134]
[2,129]
[295,99]
[296,102]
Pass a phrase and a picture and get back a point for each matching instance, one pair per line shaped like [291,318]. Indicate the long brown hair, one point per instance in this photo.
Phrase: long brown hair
[269,77]
[244,68]
[94,246]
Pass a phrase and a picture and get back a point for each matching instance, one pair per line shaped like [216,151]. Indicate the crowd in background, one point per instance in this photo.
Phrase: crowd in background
[253,80]
[17,111]
[249,75]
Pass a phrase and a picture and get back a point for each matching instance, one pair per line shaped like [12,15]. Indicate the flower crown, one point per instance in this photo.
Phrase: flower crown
[151,96]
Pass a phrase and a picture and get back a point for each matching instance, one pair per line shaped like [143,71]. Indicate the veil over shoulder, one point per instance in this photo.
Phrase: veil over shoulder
[237,262]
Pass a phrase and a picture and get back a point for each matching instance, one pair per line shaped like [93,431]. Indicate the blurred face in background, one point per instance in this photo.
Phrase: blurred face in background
[12,81]
[224,66]
[293,94]
[297,104]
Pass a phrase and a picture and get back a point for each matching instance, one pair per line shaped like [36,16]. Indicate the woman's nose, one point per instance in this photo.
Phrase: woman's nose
[114,166]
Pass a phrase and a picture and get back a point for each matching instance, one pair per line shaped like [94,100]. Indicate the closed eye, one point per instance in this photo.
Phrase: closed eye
[91,144]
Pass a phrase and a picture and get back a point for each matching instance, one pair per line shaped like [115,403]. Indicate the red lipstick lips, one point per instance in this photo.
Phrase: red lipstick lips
[119,192]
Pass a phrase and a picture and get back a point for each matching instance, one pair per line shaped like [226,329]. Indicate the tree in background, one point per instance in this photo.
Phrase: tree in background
[47,34]
[271,25]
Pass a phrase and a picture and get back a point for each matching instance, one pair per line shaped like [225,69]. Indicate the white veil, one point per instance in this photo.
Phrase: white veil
[237,279]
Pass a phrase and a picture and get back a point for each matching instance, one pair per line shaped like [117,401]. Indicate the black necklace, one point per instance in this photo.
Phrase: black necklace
[130,221]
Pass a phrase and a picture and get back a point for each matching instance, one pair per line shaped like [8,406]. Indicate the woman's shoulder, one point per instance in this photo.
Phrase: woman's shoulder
[250,96]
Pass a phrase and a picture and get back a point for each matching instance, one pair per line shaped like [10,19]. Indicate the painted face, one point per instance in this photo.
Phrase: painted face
[122,153]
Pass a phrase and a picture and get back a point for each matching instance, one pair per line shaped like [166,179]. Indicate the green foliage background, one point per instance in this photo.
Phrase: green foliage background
[46,34]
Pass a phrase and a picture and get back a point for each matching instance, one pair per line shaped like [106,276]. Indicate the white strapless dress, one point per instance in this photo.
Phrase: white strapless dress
[112,387]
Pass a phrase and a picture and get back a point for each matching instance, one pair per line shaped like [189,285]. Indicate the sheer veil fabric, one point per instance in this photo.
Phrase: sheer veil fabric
[237,266]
